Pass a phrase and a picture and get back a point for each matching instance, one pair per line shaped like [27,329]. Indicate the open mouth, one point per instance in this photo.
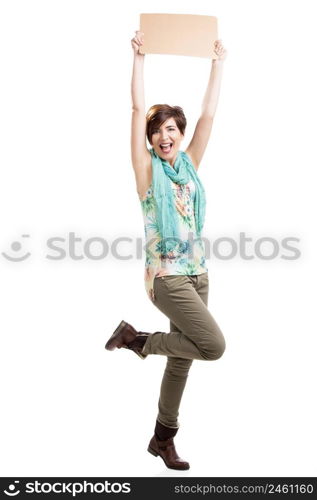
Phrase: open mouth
[166,148]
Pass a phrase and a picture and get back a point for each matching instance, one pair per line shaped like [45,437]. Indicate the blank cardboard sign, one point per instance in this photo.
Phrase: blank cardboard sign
[179,34]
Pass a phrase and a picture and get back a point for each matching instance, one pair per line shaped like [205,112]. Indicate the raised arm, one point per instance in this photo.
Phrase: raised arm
[198,144]
[141,158]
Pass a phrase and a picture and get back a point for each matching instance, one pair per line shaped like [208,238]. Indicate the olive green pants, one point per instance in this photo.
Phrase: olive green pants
[194,334]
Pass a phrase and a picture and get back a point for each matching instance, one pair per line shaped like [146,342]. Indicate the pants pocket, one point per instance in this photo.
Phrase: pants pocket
[174,281]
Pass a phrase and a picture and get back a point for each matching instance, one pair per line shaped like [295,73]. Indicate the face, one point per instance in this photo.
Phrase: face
[166,140]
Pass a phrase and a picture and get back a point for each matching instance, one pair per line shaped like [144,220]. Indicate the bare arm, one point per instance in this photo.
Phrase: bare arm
[141,158]
[200,139]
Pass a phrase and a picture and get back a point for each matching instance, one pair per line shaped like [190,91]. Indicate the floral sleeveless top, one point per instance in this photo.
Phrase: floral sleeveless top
[188,257]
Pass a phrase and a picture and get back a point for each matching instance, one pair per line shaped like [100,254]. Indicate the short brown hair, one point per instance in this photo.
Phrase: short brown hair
[159,113]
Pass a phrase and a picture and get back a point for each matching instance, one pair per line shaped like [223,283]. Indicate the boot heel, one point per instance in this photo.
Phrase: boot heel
[152,452]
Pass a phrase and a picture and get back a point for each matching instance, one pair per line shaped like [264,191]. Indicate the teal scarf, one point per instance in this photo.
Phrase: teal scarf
[182,172]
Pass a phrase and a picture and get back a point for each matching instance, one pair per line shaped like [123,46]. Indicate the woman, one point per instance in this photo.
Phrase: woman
[176,277]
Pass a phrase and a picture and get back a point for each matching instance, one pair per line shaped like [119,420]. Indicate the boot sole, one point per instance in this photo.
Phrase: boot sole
[112,344]
[153,452]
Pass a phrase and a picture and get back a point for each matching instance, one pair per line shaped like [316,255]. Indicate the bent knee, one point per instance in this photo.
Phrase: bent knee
[216,350]
[221,347]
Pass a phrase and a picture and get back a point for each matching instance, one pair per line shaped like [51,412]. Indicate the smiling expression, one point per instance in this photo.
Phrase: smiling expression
[166,140]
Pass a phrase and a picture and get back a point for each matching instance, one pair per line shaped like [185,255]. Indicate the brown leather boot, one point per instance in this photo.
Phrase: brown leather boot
[162,444]
[166,450]
[126,336]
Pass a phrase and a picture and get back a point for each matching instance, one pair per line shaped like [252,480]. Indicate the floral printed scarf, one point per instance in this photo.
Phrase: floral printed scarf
[182,172]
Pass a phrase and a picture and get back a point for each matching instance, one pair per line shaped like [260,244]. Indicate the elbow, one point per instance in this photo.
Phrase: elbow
[207,115]
[137,109]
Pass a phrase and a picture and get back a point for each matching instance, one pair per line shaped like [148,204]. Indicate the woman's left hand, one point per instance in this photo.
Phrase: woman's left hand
[220,51]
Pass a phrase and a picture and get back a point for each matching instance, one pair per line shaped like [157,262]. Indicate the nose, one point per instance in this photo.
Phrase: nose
[164,135]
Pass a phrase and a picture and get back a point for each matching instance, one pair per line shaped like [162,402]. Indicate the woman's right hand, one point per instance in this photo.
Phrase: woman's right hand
[137,41]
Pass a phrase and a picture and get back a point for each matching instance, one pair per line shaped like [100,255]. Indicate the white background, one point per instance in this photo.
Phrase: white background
[71,408]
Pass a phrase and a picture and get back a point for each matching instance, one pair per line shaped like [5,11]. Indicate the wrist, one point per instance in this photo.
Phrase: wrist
[218,62]
[138,56]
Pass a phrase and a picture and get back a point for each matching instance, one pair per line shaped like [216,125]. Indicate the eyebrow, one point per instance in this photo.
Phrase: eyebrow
[167,126]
